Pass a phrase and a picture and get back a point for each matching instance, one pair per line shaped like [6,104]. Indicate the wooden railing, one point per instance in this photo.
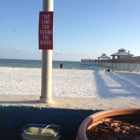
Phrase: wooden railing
[130,59]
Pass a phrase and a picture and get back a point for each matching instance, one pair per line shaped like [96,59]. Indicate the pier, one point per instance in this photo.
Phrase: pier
[126,64]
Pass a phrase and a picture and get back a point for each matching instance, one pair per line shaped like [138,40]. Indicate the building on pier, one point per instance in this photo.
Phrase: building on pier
[103,57]
[121,54]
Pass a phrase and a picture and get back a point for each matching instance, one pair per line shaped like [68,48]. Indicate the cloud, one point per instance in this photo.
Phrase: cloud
[72,52]
[5,48]
[97,52]
[57,52]
[12,50]
[40,51]
[76,54]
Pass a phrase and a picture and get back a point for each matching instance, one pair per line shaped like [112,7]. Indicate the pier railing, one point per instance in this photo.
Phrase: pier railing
[128,63]
[127,59]
[132,59]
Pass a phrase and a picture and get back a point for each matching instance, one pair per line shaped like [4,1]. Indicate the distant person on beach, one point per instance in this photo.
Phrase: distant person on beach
[61,66]
[108,70]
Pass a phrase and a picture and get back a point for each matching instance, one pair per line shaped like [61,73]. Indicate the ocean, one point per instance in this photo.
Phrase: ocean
[56,64]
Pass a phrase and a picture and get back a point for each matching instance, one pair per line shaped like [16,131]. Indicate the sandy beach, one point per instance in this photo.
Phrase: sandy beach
[72,88]
[71,83]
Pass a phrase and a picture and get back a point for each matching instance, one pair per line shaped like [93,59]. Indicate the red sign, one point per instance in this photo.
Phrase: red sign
[46,30]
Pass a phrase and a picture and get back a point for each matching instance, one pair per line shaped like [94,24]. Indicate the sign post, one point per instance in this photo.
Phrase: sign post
[46,34]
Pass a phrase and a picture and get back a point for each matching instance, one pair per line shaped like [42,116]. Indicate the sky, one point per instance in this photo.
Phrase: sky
[83,29]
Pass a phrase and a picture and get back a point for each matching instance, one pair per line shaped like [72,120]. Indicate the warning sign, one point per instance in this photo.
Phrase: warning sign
[45,30]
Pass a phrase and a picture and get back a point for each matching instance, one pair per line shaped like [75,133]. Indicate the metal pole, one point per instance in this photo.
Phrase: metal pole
[46,85]
[128,61]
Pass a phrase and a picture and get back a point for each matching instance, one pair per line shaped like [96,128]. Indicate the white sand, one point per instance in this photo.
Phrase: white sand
[74,89]
[71,83]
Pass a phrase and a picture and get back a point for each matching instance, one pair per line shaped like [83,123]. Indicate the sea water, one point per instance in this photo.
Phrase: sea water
[55,64]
